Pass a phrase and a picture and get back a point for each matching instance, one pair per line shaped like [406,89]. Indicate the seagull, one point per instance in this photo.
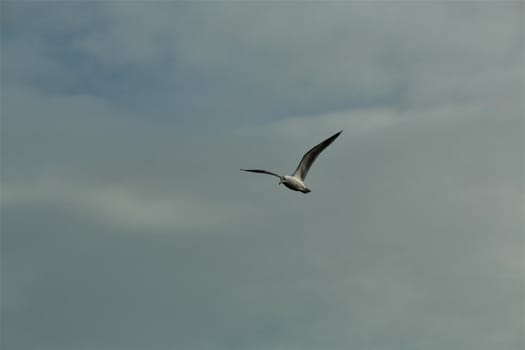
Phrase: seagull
[295,181]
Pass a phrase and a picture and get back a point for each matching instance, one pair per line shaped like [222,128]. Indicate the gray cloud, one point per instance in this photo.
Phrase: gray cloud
[129,230]
[289,59]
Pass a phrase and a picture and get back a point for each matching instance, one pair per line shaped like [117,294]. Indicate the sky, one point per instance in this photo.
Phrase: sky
[127,225]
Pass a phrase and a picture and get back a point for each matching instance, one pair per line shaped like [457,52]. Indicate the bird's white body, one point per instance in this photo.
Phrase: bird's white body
[294,183]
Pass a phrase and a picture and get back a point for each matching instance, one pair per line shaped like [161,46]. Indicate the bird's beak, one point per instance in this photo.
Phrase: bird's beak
[280,182]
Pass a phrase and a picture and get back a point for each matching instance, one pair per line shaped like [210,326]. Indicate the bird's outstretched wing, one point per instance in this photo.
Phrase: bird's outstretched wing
[311,156]
[260,171]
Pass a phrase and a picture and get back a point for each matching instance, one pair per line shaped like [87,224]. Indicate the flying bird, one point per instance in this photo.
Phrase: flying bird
[295,181]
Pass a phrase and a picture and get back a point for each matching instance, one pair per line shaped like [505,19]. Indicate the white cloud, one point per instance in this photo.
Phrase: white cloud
[126,207]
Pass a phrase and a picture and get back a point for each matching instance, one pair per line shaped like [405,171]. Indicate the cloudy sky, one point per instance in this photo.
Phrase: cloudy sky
[127,225]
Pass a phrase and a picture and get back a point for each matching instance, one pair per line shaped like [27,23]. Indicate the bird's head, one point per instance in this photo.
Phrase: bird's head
[282,180]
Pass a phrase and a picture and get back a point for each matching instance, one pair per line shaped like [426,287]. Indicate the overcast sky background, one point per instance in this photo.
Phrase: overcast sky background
[127,225]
